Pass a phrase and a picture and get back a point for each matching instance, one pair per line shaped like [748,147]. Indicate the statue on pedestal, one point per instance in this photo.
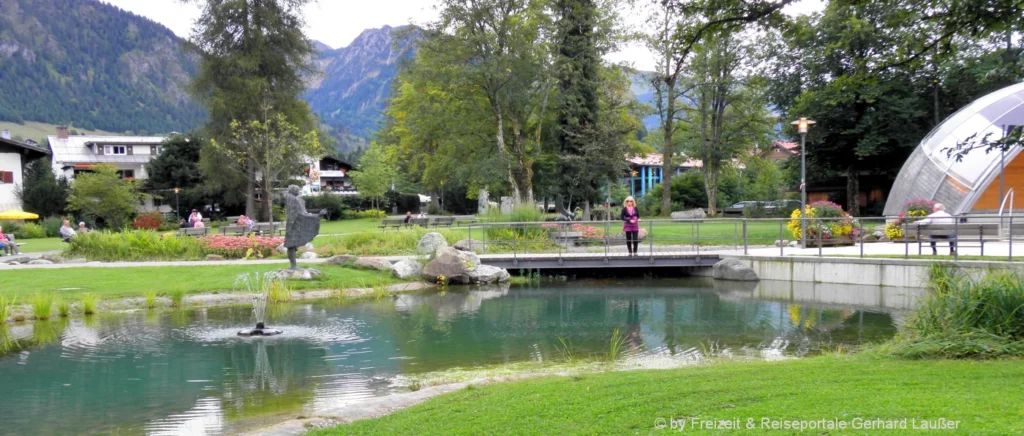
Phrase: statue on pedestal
[301,226]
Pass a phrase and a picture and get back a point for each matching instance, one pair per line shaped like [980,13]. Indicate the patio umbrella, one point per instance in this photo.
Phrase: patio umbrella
[18,215]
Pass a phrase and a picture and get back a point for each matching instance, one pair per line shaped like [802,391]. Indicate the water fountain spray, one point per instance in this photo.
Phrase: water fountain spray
[258,285]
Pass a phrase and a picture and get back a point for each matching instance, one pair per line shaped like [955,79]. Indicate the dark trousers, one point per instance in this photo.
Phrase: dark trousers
[952,244]
[632,240]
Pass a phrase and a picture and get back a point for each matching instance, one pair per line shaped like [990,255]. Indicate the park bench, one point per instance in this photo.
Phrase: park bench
[192,231]
[960,233]
[463,220]
[397,223]
[268,229]
[422,222]
[234,230]
[446,221]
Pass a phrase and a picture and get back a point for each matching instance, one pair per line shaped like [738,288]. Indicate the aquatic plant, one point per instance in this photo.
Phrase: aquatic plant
[567,351]
[41,306]
[279,292]
[150,297]
[89,302]
[616,344]
[63,308]
[5,308]
[177,297]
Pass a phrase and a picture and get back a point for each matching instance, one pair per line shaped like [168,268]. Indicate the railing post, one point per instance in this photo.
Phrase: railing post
[860,235]
[781,244]
[1009,258]
[906,244]
[607,231]
[698,240]
[819,244]
[650,234]
[745,236]
[735,234]
[956,231]
[515,246]
[981,238]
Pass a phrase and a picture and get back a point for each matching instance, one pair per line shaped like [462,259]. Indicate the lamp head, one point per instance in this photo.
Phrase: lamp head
[177,190]
[802,124]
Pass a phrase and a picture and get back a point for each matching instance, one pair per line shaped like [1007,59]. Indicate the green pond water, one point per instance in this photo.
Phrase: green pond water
[186,372]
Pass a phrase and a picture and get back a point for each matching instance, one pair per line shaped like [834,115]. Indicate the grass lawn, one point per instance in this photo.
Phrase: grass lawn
[41,244]
[985,396]
[134,281]
[349,226]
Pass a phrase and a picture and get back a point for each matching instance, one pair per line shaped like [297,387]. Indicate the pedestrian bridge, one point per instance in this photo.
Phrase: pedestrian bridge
[597,260]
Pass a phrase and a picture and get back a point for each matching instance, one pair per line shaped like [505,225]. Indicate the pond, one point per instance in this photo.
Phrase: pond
[186,372]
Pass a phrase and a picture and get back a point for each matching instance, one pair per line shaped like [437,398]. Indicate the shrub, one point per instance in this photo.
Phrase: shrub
[33,231]
[5,308]
[913,210]
[371,213]
[134,245]
[965,318]
[334,205]
[63,307]
[381,243]
[148,221]
[835,221]
[51,226]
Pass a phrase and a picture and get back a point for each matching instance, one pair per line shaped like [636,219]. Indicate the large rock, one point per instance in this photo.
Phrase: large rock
[734,269]
[406,268]
[469,245]
[486,274]
[305,248]
[430,242]
[372,263]
[469,258]
[40,262]
[692,214]
[449,265]
[308,255]
[341,259]
[298,274]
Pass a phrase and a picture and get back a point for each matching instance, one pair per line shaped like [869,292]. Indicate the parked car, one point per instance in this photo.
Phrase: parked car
[784,207]
[737,209]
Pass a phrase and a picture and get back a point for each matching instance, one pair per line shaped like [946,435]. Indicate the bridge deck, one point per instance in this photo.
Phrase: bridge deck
[598,260]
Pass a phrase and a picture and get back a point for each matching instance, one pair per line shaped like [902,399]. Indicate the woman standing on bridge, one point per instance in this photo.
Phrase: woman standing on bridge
[630,224]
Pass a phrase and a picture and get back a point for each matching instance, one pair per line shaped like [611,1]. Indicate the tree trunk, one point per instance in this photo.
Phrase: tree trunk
[711,188]
[268,200]
[667,169]
[250,190]
[500,138]
[853,190]
[586,211]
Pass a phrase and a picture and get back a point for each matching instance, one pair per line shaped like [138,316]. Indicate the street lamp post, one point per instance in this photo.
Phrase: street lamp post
[632,183]
[801,127]
[177,205]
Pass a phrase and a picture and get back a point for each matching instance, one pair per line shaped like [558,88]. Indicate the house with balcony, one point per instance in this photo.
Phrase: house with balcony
[331,175]
[14,156]
[646,171]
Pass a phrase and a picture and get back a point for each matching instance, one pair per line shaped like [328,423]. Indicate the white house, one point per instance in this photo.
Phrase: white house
[13,158]
[129,154]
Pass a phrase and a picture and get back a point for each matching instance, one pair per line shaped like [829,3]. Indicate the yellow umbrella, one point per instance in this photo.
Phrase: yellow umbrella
[18,215]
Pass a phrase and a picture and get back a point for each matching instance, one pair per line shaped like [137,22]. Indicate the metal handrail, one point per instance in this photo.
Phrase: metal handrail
[1008,196]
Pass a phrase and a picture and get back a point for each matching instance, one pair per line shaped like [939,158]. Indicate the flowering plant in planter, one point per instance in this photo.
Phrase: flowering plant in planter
[834,221]
[238,247]
[913,210]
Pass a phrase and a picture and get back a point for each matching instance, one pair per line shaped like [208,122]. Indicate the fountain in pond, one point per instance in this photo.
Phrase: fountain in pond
[258,286]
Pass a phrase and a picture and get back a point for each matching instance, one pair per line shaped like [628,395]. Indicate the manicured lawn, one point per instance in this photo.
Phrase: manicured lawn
[41,244]
[349,226]
[134,281]
[984,396]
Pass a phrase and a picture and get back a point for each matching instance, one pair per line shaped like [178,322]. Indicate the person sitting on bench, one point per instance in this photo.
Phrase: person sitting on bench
[8,244]
[66,232]
[940,216]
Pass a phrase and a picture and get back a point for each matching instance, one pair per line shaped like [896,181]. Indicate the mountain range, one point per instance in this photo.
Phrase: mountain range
[98,67]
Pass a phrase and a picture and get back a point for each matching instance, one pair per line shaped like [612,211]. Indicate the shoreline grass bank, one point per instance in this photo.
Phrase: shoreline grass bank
[972,395]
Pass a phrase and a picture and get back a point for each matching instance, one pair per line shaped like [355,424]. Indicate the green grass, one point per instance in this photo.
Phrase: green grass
[377,243]
[974,393]
[41,244]
[349,226]
[5,308]
[135,281]
[89,301]
[41,304]
[39,131]
[150,297]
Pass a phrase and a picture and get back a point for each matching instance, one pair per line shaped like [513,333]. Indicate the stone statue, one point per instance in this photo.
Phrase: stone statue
[302,226]
[482,202]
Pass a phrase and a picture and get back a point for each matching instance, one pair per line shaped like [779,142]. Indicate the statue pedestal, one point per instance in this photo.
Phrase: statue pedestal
[298,274]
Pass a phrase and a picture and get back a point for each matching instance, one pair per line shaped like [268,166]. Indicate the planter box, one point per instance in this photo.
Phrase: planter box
[837,241]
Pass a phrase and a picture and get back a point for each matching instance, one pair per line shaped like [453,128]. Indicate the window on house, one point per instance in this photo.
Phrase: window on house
[115,150]
[6,177]
[157,149]
[126,174]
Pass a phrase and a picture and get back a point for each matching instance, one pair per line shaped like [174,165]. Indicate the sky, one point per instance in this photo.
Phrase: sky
[338,22]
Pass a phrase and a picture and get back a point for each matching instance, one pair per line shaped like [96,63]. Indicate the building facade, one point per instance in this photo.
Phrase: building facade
[14,156]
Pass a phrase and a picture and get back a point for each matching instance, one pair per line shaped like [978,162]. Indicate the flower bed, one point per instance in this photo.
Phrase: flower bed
[827,222]
[585,231]
[238,247]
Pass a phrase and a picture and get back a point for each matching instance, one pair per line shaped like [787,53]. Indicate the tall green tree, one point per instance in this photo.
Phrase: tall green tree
[104,195]
[375,173]
[177,165]
[42,192]
[576,68]
[253,53]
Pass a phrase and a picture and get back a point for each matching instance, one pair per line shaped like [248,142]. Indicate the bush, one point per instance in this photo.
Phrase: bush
[32,231]
[134,245]
[965,318]
[382,243]
[523,213]
[148,221]
[372,213]
[334,205]
[51,226]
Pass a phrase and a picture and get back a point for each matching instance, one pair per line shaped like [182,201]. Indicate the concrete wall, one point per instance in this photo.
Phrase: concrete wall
[10,162]
[868,272]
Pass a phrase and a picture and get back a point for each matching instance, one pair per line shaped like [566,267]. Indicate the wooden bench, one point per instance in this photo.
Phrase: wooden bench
[446,221]
[422,222]
[397,223]
[234,230]
[462,220]
[268,229]
[192,231]
[959,233]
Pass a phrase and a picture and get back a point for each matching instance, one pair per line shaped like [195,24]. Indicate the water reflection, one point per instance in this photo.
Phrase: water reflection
[185,372]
